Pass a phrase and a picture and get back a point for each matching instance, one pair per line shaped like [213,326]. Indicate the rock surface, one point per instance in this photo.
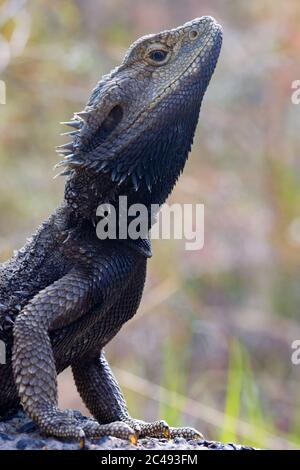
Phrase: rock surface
[20,433]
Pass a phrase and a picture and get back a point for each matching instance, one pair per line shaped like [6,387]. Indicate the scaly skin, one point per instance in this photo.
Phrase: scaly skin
[67,293]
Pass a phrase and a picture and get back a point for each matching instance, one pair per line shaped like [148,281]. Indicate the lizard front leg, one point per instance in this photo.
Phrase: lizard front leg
[102,395]
[60,304]
[33,361]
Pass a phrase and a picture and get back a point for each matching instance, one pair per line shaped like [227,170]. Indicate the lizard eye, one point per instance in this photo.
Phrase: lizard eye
[158,56]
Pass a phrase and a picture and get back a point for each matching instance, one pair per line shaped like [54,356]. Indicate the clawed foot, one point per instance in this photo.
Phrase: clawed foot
[160,429]
[67,424]
[94,430]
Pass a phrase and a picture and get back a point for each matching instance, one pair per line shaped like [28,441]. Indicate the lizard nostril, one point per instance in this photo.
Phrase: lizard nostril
[193,34]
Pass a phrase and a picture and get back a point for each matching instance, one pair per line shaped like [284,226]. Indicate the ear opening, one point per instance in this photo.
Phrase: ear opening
[107,126]
[112,120]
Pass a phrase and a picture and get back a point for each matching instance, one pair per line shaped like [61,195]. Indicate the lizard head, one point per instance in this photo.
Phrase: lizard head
[139,122]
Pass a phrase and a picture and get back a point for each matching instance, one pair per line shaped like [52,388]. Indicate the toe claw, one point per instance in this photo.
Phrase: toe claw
[133,438]
[198,436]
[82,440]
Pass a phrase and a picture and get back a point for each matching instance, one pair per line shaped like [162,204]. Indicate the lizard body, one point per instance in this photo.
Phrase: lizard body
[66,293]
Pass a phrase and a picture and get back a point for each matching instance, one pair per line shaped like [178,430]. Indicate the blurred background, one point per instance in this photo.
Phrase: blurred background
[211,344]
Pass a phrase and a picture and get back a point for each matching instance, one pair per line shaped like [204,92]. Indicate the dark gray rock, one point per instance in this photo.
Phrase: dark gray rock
[20,433]
[5,437]
[30,444]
